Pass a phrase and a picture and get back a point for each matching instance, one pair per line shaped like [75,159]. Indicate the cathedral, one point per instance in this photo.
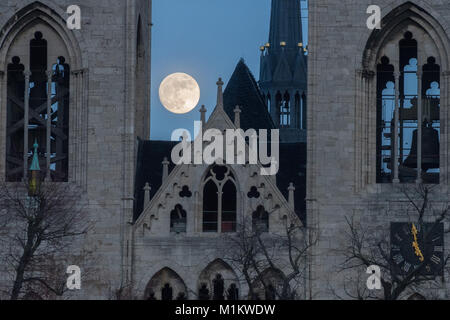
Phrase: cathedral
[359,116]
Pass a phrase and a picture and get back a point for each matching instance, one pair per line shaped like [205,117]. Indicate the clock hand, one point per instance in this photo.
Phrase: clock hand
[415,244]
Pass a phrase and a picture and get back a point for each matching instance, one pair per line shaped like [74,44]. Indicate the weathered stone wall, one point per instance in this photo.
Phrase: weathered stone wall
[190,253]
[341,131]
[105,117]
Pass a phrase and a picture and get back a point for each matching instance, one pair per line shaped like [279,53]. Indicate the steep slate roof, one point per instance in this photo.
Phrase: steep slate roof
[149,169]
[242,90]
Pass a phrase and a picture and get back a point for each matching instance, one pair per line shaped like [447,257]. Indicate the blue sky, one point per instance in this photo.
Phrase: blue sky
[206,39]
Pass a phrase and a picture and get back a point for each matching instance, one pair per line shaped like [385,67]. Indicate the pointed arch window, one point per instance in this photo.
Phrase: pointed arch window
[408,115]
[38,110]
[166,285]
[219,201]
[285,111]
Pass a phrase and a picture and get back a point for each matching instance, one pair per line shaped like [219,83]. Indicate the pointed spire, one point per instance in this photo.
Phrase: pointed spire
[147,194]
[242,89]
[283,67]
[237,117]
[34,182]
[291,190]
[285,23]
[35,162]
[220,93]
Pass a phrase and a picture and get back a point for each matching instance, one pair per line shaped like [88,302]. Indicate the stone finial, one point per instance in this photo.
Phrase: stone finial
[220,93]
[147,189]
[291,190]
[237,117]
[203,114]
[165,164]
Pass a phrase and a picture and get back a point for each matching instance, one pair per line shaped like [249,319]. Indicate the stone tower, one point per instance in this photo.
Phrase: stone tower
[363,85]
[283,71]
[88,121]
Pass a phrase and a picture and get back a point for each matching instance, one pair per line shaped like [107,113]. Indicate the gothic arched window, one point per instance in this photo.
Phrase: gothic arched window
[219,200]
[285,111]
[218,281]
[38,106]
[167,285]
[408,114]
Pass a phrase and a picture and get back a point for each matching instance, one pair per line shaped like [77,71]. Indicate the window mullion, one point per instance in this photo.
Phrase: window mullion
[27,75]
[395,129]
[219,210]
[419,124]
[49,123]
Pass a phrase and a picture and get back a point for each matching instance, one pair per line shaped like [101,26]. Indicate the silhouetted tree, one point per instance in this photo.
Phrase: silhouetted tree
[253,251]
[43,220]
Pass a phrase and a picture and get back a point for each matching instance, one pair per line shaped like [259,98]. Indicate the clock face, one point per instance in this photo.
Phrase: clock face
[417,246]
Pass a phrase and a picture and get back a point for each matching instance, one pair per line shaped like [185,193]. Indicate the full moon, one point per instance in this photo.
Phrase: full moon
[179,93]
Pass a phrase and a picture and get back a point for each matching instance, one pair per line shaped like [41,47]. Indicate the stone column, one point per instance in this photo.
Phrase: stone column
[394,133]
[26,116]
[48,146]
[419,124]
[444,121]
[3,113]
[293,110]
[219,212]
